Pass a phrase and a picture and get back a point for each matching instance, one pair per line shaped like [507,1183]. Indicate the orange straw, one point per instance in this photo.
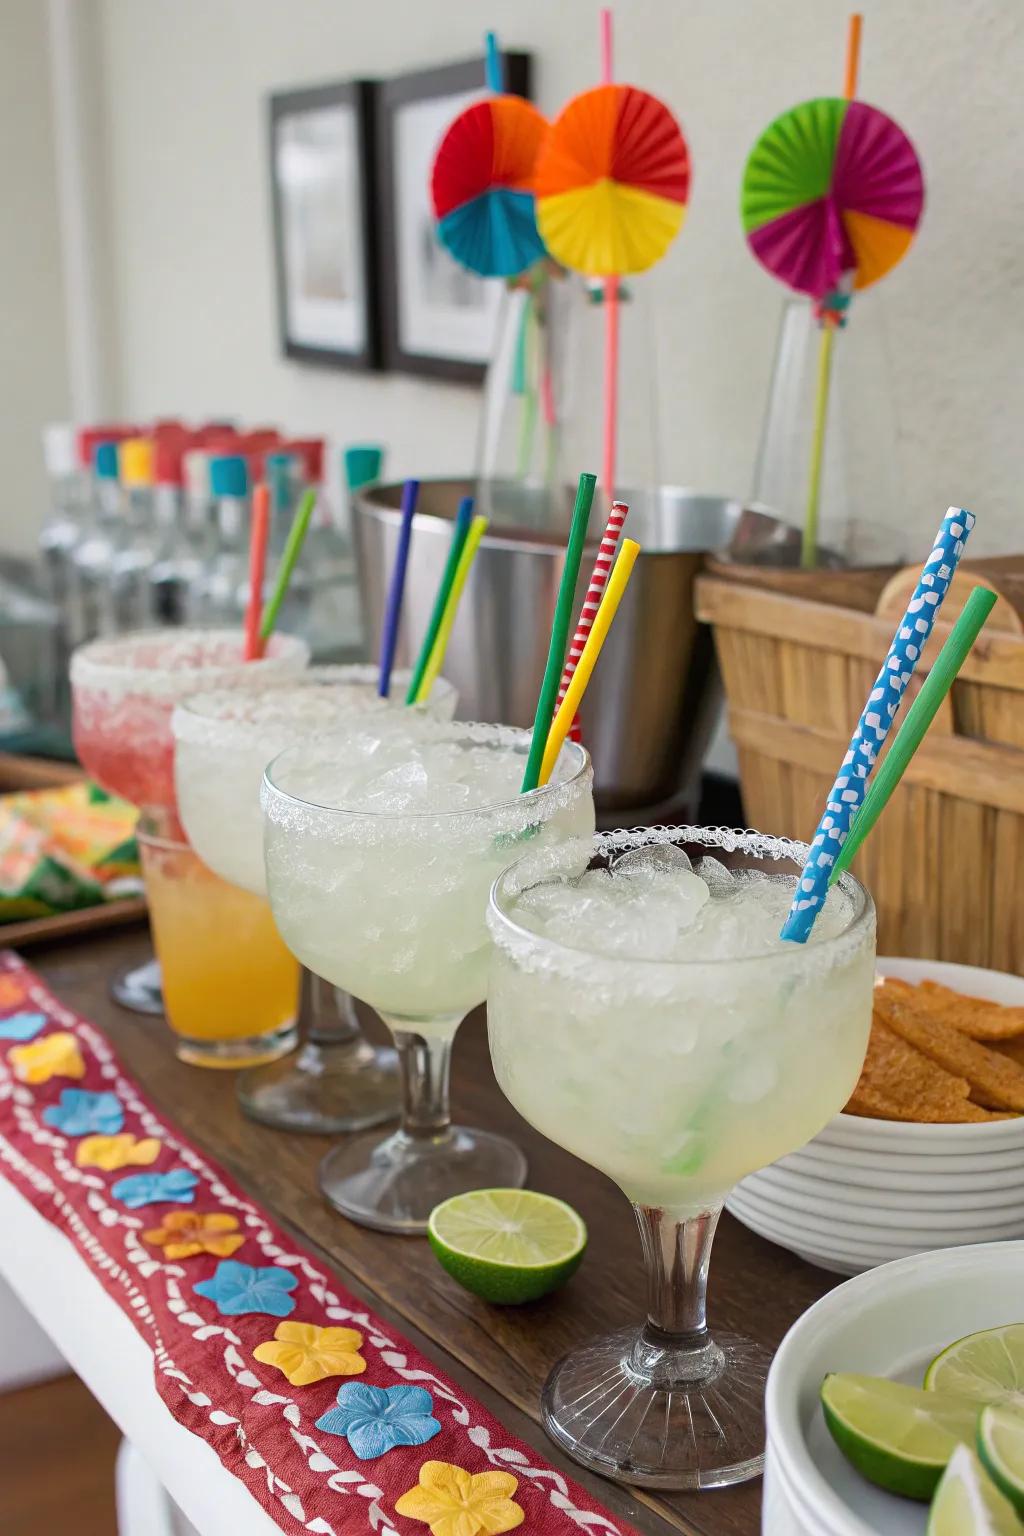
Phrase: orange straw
[591,603]
[257,570]
[852,55]
[611,313]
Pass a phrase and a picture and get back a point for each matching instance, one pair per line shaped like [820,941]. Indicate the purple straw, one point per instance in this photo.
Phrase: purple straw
[393,612]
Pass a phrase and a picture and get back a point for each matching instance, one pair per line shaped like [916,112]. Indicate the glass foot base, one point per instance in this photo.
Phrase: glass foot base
[394,1184]
[138,988]
[619,1407]
[244,1051]
[325,1088]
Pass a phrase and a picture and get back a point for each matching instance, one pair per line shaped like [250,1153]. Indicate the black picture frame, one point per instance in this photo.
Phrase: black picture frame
[427,85]
[299,317]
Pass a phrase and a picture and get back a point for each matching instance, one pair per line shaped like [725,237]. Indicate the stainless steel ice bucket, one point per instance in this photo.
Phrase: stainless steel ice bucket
[652,701]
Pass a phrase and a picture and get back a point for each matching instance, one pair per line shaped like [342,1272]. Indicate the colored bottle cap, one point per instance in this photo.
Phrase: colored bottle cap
[310,453]
[364,464]
[196,466]
[59,449]
[90,437]
[228,475]
[135,461]
[168,461]
[104,461]
[215,432]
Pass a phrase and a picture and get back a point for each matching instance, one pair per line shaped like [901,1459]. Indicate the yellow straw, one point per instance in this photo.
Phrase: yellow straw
[809,547]
[617,581]
[477,529]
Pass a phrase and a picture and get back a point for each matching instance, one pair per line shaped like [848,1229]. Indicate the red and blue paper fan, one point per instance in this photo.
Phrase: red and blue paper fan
[482,186]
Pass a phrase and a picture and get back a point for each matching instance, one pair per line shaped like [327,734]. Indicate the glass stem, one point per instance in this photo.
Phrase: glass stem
[426,1068]
[325,1017]
[674,1346]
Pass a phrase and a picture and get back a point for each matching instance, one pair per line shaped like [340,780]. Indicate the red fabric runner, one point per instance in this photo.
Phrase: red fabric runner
[261,1425]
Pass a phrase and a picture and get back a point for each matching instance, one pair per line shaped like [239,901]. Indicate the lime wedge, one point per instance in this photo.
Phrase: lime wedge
[1001,1448]
[507,1245]
[896,1436]
[987,1366]
[968,1503]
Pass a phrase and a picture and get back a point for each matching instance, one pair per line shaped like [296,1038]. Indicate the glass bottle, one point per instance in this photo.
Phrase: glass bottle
[63,525]
[221,589]
[91,610]
[136,542]
[177,566]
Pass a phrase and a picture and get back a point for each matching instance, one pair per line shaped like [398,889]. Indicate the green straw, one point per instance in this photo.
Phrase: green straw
[460,528]
[296,535]
[919,717]
[559,630]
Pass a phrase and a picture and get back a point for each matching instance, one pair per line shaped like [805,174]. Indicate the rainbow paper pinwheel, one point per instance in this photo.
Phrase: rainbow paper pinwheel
[832,195]
[482,186]
[612,181]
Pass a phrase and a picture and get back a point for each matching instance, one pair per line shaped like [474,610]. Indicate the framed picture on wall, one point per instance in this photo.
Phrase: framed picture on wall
[322,171]
[436,318]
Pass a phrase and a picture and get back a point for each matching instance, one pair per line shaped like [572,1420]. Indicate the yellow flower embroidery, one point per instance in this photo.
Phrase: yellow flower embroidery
[304,1353]
[454,1502]
[111,1152]
[55,1055]
[185,1233]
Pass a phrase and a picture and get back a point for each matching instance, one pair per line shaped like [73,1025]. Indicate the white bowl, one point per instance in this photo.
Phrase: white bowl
[867,1191]
[891,1322]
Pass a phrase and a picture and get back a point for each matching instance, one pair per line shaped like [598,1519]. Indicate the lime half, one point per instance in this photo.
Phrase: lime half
[897,1436]
[1001,1448]
[968,1503]
[507,1245]
[987,1366]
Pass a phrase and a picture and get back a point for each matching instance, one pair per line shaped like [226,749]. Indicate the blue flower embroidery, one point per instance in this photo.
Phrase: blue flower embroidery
[238,1288]
[175,1188]
[376,1419]
[22,1026]
[81,1113]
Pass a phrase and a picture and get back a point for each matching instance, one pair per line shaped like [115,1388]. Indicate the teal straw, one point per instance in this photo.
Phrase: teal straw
[292,549]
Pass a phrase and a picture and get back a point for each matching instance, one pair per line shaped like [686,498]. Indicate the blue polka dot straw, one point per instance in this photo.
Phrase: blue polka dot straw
[879,712]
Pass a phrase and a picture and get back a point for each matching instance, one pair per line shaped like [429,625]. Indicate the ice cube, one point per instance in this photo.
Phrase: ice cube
[653,858]
[716,877]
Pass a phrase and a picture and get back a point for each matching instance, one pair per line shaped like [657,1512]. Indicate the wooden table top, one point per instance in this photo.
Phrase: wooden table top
[500,1355]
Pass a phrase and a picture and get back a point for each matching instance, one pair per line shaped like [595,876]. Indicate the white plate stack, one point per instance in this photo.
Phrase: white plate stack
[864,1192]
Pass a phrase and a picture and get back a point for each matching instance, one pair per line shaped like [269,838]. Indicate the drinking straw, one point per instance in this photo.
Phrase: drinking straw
[611,312]
[809,540]
[292,548]
[559,630]
[919,717]
[617,583]
[591,603]
[393,611]
[494,74]
[460,528]
[477,529]
[847,792]
[363,464]
[258,534]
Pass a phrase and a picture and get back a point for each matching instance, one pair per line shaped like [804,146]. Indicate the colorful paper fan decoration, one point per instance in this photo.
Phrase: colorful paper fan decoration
[612,181]
[482,186]
[832,194]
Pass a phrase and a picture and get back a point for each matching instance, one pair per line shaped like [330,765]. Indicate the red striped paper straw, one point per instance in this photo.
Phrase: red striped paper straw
[592,601]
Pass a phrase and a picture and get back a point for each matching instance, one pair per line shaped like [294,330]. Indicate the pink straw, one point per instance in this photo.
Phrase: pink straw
[591,603]
[611,311]
[605,24]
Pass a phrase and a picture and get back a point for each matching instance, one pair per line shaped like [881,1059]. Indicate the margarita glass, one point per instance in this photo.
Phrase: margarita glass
[223,741]
[123,694]
[381,845]
[646,1016]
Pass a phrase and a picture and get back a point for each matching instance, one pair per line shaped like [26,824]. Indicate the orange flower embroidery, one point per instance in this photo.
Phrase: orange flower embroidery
[55,1055]
[454,1502]
[185,1233]
[11,991]
[304,1353]
[112,1152]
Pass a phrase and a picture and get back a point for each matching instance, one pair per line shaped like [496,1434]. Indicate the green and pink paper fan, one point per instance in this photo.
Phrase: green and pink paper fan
[832,195]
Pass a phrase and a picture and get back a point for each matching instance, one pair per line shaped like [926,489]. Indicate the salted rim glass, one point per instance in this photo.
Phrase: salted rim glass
[336,1081]
[394,1184]
[664,1405]
[120,664]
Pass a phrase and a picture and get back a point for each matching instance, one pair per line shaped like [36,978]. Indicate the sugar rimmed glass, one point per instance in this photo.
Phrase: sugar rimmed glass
[337,1081]
[676,1078]
[124,690]
[391,906]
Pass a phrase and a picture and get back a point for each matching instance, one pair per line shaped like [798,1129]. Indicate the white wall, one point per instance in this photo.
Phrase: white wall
[33,373]
[191,274]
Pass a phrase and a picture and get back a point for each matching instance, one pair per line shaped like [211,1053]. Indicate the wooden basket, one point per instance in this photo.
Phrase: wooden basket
[946,862]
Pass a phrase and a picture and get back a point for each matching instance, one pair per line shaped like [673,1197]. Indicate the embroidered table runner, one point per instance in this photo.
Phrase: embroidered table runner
[333,1421]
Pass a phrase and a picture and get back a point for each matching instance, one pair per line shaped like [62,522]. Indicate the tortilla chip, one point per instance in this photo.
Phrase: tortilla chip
[875,1106]
[993,1077]
[1014,1049]
[975,1016]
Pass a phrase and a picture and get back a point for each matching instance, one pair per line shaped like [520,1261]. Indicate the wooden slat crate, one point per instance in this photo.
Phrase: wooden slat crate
[946,862]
